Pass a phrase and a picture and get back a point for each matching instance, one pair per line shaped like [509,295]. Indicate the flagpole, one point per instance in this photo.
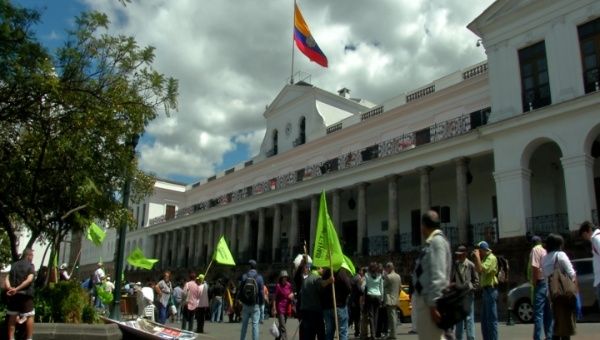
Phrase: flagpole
[75,264]
[337,327]
[293,43]
[207,268]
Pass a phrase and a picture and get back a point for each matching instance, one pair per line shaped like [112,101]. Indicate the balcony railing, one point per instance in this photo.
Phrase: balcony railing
[420,93]
[595,217]
[377,245]
[451,233]
[406,243]
[374,112]
[475,71]
[484,231]
[393,146]
[546,224]
[335,127]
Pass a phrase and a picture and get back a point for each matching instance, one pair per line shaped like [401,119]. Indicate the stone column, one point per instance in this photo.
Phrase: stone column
[293,236]
[221,229]
[513,190]
[245,242]
[175,248]
[276,233]
[233,234]
[260,246]
[393,226]
[335,210]
[181,246]
[462,200]
[314,214]
[362,218]
[211,239]
[191,243]
[424,173]
[158,248]
[165,249]
[199,247]
[579,188]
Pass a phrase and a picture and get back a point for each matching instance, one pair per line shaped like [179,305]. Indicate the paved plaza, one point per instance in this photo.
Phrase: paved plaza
[585,331]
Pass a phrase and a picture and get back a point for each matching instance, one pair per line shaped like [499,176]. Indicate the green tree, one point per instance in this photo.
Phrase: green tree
[66,135]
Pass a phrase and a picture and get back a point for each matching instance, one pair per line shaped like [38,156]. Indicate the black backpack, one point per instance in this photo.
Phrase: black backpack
[454,305]
[249,291]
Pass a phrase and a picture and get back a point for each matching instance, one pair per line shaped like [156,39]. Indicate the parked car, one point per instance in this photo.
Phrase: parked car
[519,298]
[404,306]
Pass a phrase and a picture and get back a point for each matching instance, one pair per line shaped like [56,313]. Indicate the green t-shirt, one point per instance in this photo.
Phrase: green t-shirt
[489,267]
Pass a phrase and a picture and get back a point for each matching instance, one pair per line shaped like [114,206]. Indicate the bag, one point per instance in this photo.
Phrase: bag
[274,330]
[173,309]
[249,291]
[502,269]
[560,285]
[454,305]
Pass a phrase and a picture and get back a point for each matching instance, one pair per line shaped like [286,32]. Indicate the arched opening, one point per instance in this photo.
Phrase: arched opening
[547,188]
[275,141]
[302,136]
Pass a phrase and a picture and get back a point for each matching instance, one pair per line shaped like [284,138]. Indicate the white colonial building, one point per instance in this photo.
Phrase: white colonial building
[507,146]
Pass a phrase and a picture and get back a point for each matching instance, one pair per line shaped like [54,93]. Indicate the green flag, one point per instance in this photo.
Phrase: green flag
[95,234]
[326,240]
[349,265]
[222,254]
[104,295]
[137,259]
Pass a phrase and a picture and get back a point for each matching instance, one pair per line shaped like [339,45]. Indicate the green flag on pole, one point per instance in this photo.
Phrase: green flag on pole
[95,234]
[222,254]
[137,259]
[326,240]
[349,265]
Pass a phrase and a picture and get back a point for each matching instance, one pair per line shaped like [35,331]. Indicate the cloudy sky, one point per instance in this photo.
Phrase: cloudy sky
[233,57]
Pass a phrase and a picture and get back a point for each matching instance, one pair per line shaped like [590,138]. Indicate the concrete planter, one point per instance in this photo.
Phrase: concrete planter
[51,331]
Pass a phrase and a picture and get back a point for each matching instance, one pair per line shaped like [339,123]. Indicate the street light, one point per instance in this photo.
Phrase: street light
[116,310]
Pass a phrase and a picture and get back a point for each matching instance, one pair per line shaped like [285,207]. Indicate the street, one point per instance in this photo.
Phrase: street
[585,331]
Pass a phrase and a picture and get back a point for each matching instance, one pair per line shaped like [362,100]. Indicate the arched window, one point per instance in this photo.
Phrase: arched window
[302,137]
[275,141]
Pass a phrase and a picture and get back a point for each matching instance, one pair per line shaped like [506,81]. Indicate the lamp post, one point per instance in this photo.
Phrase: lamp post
[116,310]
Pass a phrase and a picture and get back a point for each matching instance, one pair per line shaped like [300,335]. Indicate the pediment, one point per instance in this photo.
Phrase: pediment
[502,10]
[287,95]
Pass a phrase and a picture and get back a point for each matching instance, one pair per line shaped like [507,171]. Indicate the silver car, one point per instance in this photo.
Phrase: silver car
[519,298]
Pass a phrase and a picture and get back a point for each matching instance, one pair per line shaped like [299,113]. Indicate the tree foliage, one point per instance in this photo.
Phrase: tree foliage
[68,122]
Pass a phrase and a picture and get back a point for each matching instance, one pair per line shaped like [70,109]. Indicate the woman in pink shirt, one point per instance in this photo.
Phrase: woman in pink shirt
[190,298]
[283,298]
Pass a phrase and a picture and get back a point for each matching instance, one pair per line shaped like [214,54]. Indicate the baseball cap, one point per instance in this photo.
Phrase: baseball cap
[483,245]
[461,250]
[200,277]
[536,239]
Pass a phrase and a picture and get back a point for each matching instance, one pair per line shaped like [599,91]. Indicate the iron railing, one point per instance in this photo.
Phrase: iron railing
[484,231]
[451,233]
[547,224]
[450,128]
[406,243]
[377,245]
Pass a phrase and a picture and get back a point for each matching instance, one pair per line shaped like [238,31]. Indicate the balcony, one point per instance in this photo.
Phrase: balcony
[546,224]
[374,112]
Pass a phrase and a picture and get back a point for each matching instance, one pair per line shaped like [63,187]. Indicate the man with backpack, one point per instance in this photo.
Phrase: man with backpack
[464,274]
[487,266]
[250,294]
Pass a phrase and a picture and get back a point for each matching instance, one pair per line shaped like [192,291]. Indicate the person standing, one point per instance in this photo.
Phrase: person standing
[312,324]
[563,309]
[487,266]
[355,298]
[19,291]
[343,286]
[464,274]
[190,299]
[250,294]
[203,303]
[97,281]
[217,305]
[431,276]
[265,303]
[177,298]
[391,289]
[283,298]
[542,314]
[587,232]
[165,287]
[373,296]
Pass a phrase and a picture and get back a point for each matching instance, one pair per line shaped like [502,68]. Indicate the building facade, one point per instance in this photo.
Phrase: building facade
[502,148]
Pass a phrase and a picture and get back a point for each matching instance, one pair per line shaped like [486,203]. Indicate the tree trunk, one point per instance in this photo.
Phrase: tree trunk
[10,231]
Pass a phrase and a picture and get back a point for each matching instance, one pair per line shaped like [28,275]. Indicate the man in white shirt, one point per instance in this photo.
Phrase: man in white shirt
[97,279]
[588,233]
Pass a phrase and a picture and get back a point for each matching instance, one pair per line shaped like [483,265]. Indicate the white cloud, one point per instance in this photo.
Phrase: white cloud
[233,57]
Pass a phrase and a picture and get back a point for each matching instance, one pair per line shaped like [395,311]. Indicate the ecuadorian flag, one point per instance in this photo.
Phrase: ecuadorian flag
[304,40]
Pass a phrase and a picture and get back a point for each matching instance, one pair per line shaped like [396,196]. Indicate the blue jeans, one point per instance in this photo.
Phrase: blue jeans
[247,313]
[329,317]
[215,315]
[162,313]
[489,314]
[468,322]
[542,313]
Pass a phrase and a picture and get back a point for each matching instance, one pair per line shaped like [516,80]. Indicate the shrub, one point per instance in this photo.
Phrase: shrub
[64,302]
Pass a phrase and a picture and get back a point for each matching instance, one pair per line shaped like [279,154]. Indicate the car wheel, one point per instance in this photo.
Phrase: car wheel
[524,310]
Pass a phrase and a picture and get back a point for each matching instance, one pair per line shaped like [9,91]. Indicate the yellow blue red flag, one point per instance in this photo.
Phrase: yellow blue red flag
[305,41]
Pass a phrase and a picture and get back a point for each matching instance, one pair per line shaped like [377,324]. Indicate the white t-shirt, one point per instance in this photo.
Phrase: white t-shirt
[562,261]
[596,256]
[98,275]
